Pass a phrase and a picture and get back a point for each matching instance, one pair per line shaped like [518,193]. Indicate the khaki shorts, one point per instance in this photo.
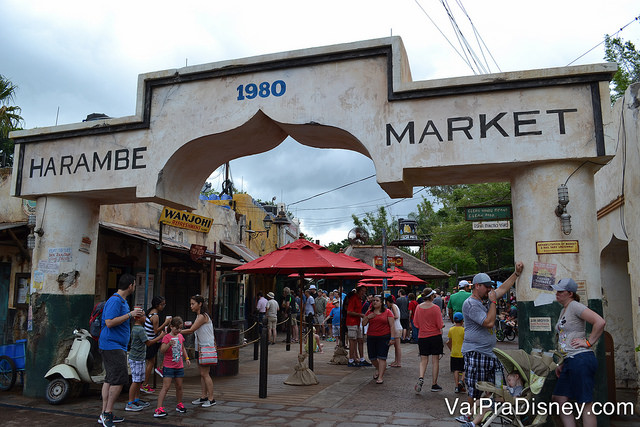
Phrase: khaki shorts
[354,332]
[271,322]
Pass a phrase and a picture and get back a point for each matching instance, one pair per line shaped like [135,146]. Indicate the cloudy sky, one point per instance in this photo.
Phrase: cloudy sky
[72,58]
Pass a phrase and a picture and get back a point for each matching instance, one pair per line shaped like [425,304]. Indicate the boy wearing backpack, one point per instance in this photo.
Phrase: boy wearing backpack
[137,356]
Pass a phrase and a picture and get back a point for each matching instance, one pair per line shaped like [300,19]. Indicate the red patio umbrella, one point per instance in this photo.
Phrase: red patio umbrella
[369,273]
[399,276]
[300,257]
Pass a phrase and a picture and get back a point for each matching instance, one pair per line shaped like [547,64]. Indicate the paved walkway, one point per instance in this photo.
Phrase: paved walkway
[344,397]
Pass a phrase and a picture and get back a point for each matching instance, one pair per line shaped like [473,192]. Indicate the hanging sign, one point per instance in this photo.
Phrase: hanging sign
[197,251]
[487,213]
[184,219]
[398,261]
[491,225]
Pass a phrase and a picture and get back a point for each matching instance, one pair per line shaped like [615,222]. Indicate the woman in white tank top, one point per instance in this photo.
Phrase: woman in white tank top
[202,328]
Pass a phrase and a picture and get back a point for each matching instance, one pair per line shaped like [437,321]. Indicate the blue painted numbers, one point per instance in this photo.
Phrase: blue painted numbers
[263,90]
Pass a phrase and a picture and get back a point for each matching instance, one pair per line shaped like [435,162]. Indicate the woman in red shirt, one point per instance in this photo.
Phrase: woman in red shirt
[380,335]
[428,320]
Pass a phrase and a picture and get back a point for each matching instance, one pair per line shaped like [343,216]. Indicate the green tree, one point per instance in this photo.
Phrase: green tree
[627,57]
[10,120]
[336,247]
[453,242]
[374,223]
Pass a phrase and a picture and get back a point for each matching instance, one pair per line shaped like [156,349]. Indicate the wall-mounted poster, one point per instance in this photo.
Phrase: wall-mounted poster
[544,275]
[22,288]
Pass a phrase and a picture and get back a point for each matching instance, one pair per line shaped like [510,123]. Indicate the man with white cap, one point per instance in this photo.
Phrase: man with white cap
[479,312]
[456,300]
[272,317]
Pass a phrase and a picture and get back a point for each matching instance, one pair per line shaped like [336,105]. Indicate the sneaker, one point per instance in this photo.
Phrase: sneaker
[418,387]
[147,389]
[106,419]
[456,390]
[365,363]
[353,364]
[159,412]
[209,403]
[159,372]
[464,419]
[199,401]
[181,409]
[469,424]
[436,387]
[133,406]
[142,403]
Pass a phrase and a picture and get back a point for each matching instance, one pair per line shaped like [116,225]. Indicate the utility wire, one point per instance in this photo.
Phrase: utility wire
[445,37]
[637,18]
[334,189]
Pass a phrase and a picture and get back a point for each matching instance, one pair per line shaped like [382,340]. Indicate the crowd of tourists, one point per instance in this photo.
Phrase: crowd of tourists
[147,340]
[351,320]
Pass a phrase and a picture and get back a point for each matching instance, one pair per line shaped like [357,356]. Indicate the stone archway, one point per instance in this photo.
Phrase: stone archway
[535,129]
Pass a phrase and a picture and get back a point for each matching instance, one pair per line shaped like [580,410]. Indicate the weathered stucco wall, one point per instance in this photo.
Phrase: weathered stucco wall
[618,204]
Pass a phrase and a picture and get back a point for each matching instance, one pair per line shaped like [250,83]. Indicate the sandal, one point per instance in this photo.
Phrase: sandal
[379,381]
[375,376]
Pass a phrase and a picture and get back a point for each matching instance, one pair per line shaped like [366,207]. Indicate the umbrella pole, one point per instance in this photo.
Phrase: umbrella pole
[300,280]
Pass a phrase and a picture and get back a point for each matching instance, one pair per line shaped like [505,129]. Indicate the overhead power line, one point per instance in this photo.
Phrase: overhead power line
[637,18]
[333,189]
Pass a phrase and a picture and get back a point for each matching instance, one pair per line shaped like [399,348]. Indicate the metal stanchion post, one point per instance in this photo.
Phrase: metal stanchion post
[289,332]
[264,363]
[310,339]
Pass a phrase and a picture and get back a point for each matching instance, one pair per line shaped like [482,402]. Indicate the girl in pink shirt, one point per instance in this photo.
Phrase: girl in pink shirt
[173,350]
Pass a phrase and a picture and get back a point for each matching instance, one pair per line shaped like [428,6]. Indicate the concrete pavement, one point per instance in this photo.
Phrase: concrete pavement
[344,397]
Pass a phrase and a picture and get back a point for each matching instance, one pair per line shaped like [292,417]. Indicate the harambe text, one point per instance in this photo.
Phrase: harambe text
[88,162]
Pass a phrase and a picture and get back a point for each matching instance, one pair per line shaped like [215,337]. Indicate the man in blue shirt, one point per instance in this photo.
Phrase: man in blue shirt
[113,342]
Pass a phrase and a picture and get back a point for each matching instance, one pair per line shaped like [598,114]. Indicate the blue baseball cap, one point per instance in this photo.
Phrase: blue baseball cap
[458,317]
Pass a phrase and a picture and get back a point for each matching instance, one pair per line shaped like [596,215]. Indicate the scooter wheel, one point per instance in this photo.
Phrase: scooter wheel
[7,373]
[58,390]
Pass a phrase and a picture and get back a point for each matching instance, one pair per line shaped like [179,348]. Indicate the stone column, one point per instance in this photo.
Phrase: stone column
[63,282]
[535,197]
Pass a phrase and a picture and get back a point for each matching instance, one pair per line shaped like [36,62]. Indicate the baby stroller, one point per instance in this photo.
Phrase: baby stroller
[533,369]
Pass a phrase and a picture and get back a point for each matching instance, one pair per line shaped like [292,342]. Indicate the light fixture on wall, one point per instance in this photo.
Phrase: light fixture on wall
[31,238]
[561,209]
[266,223]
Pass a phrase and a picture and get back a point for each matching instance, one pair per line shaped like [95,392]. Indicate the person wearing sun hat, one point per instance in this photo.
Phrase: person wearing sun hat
[576,374]
[272,317]
[479,311]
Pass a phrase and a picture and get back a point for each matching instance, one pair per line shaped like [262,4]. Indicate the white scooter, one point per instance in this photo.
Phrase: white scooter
[83,366]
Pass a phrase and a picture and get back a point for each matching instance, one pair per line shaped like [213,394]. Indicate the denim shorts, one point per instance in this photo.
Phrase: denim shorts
[576,379]
[378,346]
[173,372]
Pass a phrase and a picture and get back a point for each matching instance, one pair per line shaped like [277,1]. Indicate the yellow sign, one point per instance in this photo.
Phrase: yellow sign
[558,247]
[183,219]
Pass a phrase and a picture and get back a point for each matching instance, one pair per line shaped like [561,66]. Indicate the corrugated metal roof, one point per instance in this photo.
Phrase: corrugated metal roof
[241,250]
[9,225]
[144,234]
[411,264]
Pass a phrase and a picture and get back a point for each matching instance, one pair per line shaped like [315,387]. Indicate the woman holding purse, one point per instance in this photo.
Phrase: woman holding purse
[202,328]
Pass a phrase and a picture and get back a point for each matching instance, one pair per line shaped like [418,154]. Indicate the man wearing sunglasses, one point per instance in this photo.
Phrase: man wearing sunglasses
[479,311]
